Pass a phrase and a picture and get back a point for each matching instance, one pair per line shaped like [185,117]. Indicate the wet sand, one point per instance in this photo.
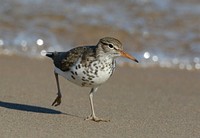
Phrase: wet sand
[151,102]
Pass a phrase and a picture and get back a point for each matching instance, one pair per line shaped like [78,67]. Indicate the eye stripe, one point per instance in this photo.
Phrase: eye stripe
[109,44]
[104,43]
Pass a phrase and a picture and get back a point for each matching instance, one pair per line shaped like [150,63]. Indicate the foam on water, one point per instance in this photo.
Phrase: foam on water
[161,33]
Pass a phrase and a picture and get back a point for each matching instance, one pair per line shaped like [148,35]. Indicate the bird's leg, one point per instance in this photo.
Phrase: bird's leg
[57,101]
[93,116]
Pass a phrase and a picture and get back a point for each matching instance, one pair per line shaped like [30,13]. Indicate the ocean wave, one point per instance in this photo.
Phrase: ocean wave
[160,33]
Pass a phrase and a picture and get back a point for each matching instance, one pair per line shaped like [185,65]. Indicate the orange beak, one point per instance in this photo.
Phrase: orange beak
[126,55]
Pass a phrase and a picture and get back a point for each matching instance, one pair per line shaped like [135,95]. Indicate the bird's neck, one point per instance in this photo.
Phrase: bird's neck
[103,56]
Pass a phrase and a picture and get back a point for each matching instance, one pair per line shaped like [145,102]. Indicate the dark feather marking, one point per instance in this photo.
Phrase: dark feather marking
[72,72]
[84,72]
[96,71]
[89,78]
[84,83]
[73,77]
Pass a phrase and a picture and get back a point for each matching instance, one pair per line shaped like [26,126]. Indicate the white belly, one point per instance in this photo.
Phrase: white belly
[87,77]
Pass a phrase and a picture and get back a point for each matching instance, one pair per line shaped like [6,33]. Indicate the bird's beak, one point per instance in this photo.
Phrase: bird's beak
[126,55]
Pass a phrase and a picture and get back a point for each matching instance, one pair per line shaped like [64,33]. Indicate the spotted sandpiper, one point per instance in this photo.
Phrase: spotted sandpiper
[88,66]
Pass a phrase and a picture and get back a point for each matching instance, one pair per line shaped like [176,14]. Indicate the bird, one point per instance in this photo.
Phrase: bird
[88,66]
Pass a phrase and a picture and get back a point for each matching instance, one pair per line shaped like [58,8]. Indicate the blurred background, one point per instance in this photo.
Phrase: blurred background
[163,33]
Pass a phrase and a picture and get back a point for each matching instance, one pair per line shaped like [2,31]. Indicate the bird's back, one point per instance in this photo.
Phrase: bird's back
[65,60]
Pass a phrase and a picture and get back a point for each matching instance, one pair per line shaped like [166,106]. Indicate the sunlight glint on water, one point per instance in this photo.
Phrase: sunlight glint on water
[160,33]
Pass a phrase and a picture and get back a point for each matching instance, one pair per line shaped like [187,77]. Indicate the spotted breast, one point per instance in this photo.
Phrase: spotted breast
[89,74]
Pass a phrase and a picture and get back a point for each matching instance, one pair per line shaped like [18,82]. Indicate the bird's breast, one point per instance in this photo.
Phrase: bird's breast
[94,74]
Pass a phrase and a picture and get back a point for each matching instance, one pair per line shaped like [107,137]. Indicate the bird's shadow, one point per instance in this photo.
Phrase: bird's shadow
[32,108]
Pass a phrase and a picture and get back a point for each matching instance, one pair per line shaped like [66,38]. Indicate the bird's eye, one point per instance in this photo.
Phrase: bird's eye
[110,46]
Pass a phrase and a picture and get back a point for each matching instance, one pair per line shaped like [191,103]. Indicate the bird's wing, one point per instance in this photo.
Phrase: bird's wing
[65,60]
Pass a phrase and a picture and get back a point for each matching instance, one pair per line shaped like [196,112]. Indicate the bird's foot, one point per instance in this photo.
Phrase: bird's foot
[96,119]
[57,101]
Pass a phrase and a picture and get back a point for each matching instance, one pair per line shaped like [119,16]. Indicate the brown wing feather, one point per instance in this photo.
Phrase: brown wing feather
[65,60]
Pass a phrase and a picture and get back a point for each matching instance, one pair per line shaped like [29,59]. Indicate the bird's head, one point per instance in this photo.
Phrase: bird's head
[113,47]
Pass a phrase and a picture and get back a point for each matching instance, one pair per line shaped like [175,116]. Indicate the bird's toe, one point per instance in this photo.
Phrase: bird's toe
[96,119]
[57,101]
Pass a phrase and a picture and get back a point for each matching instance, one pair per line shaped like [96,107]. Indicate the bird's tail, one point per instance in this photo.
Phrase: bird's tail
[50,54]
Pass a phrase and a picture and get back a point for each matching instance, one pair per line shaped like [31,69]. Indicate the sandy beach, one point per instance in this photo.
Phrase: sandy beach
[140,102]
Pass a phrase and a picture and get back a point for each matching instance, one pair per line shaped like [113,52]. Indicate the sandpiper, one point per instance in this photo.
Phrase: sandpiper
[88,66]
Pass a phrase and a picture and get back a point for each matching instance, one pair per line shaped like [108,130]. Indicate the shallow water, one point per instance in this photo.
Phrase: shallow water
[159,33]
